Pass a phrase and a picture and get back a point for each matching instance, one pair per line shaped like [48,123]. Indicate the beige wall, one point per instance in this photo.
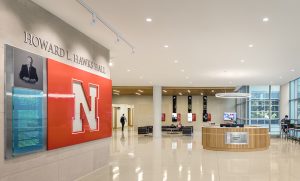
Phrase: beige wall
[143,113]
[143,109]
[122,109]
[17,16]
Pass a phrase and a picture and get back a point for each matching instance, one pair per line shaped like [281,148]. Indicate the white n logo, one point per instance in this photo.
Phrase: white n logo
[90,111]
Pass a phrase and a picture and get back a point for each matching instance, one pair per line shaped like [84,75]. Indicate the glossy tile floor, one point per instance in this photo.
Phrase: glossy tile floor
[177,157]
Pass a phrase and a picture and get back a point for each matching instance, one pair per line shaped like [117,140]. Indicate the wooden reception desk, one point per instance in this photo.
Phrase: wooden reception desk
[235,139]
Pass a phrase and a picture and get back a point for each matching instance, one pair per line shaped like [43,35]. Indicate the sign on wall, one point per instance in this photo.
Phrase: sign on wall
[191,117]
[50,105]
[236,138]
[194,116]
[27,121]
[25,103]
[163,117]
[80,110]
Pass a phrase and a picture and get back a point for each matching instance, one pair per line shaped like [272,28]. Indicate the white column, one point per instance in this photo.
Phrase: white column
[157,96]
[284,101]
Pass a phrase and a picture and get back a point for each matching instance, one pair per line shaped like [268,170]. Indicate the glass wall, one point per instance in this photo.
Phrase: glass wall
[262,108]
[242,107]
[295,100]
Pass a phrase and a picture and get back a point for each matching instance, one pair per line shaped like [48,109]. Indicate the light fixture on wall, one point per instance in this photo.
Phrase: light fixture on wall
[96,17]
[233,95]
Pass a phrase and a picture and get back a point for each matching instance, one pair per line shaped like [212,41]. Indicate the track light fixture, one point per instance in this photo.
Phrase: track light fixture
[93,19]
[96,17]
[118,38]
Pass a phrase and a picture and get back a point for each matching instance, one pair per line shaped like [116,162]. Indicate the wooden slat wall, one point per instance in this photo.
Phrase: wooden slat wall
[214,139]
[208,91]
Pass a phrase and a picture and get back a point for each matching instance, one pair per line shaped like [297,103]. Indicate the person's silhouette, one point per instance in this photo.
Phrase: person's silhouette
[123,120]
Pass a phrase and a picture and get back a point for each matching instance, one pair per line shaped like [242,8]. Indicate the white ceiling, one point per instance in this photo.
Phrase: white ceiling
[207,37]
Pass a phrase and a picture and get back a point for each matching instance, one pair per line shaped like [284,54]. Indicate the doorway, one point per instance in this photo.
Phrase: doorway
[130,115]
[115,117]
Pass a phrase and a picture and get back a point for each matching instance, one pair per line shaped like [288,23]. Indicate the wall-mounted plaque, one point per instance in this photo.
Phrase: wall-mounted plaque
[25,102]
[236,138]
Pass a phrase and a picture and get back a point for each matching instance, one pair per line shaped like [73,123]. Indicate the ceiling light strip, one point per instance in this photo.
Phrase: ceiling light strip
[233,95]
[90,10]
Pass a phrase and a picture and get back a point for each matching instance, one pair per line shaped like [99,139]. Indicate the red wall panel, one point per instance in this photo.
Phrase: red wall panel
[178,117]
[61,105]
[163,117]
[194,117]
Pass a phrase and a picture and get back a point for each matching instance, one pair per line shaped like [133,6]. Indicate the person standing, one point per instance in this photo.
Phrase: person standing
[123,120]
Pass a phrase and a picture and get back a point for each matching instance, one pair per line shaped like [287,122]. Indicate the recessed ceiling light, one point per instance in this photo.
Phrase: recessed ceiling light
[265,19]
[251,45]
[165,91]
[292,70]
[166,46]
[148,19]
[201,94]
[110,64]
[128,70]
[140,90]
[182,70]
[212,90]
[137,93]
[242,61]
[175,61]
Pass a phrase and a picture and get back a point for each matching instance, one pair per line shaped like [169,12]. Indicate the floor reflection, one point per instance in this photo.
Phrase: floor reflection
[176,157]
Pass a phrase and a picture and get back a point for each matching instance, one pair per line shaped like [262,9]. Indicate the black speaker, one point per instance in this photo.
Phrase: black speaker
[174,104]
[205,114]
[189,104]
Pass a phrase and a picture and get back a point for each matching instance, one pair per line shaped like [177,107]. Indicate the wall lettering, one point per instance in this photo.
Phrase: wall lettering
[49,47]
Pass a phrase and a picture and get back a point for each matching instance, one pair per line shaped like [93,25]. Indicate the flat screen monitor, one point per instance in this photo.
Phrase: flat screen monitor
[229,116]
[174,117]
[190,117]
